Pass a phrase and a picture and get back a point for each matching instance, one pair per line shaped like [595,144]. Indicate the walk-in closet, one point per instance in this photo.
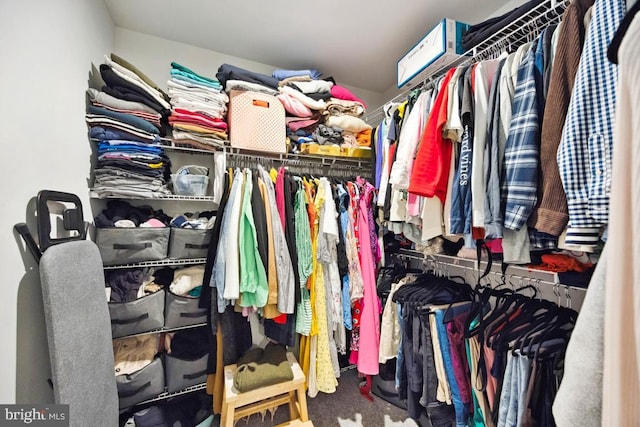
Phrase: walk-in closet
[342,214]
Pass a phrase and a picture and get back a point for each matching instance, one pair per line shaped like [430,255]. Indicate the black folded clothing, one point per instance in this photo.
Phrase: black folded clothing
[231,72]
[190,344]
[480,32]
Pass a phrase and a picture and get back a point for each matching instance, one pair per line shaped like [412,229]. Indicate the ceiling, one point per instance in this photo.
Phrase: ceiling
[356,41]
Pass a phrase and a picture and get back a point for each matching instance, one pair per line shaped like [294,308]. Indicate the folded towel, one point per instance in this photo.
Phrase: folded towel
[338,107]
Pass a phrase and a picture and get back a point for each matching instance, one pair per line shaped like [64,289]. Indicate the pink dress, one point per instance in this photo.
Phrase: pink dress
[370,318]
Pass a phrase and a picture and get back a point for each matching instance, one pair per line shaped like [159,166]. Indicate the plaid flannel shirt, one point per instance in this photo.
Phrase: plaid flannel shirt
[584,155]
[522,151]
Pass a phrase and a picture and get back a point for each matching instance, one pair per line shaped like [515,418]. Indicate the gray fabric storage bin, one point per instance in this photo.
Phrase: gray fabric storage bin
[182,311]
[183,373]
[141,315]
[189,243]
[128,245]
[144,384]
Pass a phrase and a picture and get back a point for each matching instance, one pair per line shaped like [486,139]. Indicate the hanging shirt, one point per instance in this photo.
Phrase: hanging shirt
[621,373]
[305,259]
[270,310]
[461,189]
[520,183]
[551,214]
[584,155]
[514,243]
[253,277]
[345,226]
[408,142]
[353,244]
[325,376]
[484,74]
[327,254]
[389,159]
[232,265]
[218,268]
[492,162]
[284,268]
[430,176]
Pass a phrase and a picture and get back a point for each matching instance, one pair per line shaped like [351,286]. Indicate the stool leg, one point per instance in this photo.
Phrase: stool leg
[302,402]
[228,412]
[293,408]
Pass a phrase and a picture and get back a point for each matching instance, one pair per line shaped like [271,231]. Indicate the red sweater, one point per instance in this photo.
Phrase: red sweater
[430,172]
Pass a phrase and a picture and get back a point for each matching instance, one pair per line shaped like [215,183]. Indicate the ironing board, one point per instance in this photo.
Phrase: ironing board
[77,319]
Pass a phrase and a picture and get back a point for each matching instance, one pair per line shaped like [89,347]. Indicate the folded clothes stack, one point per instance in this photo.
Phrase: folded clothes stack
[128,116]
[317,110]
[130,169]
[198,108]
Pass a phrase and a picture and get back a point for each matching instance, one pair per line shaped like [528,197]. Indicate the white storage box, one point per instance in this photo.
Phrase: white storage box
[441,46]
[256,122]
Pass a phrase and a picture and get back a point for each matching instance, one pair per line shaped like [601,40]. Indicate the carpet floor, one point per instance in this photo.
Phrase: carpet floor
[344,408]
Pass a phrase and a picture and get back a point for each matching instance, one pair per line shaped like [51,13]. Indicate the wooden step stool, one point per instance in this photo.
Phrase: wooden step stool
[236,405]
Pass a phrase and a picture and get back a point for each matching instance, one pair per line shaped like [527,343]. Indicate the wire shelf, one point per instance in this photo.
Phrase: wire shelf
[95,195]
[163,329]
[527,27]
[167,395]
[234,153]
[159,263]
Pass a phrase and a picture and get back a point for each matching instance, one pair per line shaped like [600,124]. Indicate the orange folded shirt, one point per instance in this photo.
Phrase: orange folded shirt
[560,263]
[363,138]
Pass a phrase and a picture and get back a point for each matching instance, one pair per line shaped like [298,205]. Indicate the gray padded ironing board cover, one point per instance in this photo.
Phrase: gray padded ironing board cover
[79,333]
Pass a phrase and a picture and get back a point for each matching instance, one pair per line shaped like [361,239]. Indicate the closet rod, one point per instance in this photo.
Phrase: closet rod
[550,9]
[333,161]
[517,271]
[248,161]
[553,291]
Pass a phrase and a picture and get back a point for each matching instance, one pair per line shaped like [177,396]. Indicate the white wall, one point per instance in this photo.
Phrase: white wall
[47,49]
[153,56]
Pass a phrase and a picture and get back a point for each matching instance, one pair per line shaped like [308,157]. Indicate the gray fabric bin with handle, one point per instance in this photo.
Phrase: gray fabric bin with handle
[141,315]
[189,243]
[183,311]
[128,245]
[142,385]
[183,373]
